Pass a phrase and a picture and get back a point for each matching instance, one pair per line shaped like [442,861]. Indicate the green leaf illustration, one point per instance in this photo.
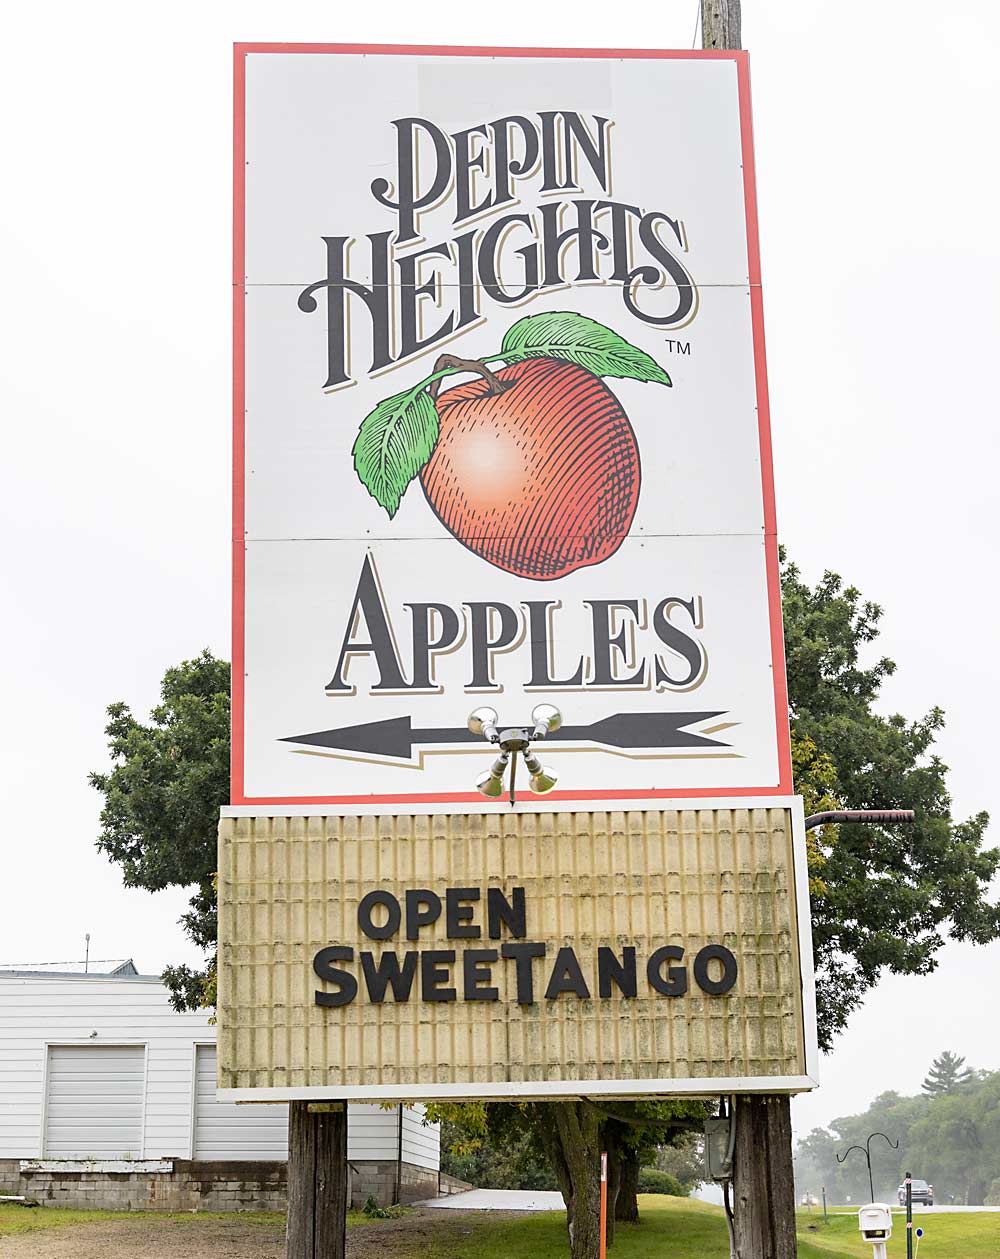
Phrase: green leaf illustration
[577,339]
[394,443]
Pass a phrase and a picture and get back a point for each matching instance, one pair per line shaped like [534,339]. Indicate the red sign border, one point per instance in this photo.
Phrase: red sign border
[240,53]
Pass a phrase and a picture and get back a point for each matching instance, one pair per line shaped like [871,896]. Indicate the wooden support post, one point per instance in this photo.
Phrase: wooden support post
[763,1184]
[720,24]
[317,1181]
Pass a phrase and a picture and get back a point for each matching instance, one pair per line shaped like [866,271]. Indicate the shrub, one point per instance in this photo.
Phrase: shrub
[375,1212]
[993,1194]
[652,1181]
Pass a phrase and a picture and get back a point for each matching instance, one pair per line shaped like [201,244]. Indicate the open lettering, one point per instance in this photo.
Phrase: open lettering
[527,968]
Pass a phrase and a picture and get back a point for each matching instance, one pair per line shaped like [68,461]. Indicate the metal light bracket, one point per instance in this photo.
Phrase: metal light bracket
[545,718]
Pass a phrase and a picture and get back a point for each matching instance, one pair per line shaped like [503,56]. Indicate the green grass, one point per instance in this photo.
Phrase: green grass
[15,1220]
[972,1236]
[671,1228]
[679,1228]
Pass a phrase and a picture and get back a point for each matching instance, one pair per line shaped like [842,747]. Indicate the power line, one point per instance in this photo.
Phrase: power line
[94,961]
[697,23]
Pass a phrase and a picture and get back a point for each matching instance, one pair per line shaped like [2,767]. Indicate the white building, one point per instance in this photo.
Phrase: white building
[107,1097]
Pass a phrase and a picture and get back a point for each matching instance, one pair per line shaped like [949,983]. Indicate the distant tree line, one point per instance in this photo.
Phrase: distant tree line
[948,1134]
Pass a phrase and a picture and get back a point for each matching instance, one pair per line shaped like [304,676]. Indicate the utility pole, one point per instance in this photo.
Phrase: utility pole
[763,1179]
[720,24]
[317,1180]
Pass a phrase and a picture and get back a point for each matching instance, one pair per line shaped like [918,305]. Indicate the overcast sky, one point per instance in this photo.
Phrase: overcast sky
[875,145]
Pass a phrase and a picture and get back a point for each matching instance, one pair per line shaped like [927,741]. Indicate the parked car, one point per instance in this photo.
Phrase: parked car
[920,1191]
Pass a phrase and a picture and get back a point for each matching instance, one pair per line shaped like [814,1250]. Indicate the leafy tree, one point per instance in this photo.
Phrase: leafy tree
[816,1155]
[883,898]
[951,1140]
[499,1157]
[162,797]
[947,1074]
[956,1144]
[632,1144]
[572,1134]
[684,1159]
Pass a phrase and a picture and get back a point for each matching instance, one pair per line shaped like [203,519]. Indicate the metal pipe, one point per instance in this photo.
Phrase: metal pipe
[399,1153]
[859,815]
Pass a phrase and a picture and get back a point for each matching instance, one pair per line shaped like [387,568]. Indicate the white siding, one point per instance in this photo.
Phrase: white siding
[38,1011]
[41,1011]
[372,1132]
[421,1142]
[223,1130]
[94,1101]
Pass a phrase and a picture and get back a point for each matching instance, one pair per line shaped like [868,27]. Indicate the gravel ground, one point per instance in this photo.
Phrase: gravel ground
[417,1235]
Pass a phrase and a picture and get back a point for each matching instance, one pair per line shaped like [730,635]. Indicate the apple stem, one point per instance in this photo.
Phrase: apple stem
[450,363]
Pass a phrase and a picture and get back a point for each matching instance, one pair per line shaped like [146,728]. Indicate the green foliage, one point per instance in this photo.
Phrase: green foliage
[374,1212]
[956,1144]
[947,1075]
[398,437]
[650,1125]
[393,444]
[993,1194]
[684,1158]
[509,1159]
[951,1140]
[673,1228]
[653,1181]
[566,335]
[884,898]
[162,797]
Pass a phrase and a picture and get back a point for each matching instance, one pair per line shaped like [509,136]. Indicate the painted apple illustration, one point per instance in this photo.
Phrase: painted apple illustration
[534,467]
[540,478]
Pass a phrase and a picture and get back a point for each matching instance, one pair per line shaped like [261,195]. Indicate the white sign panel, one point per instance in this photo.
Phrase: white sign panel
[501,425]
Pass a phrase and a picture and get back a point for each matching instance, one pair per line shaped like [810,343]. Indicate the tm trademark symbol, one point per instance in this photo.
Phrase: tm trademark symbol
[678,347]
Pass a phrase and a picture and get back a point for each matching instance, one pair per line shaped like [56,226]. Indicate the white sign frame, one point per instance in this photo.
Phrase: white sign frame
[243,791]
[596,1088]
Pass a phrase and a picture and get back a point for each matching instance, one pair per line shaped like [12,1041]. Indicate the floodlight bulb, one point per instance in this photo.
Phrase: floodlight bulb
[543,783]
[489,784]
[542,778]
[547,719]
[483,721]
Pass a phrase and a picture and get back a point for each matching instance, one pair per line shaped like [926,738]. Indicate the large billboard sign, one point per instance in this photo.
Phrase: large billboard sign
[501,425]
[515,953]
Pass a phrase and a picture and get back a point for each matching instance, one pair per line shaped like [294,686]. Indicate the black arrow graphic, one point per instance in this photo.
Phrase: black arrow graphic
[395,736]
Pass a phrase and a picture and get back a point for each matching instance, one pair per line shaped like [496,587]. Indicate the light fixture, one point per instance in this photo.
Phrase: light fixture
[545,719]
[542,778]
[490,783]
[484,721]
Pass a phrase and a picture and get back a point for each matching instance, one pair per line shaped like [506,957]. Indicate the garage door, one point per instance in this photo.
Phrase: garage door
[94,1101]
[223,1130]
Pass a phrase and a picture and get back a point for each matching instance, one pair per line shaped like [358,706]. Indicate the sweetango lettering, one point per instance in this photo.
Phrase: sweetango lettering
[469,972]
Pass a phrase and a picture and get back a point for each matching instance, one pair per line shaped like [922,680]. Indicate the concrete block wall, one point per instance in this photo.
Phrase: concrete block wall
[378,1180]
[203,1186]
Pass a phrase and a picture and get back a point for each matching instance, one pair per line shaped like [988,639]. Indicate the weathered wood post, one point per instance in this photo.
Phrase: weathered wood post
[763,1181]
[317,1180]
[720,24]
